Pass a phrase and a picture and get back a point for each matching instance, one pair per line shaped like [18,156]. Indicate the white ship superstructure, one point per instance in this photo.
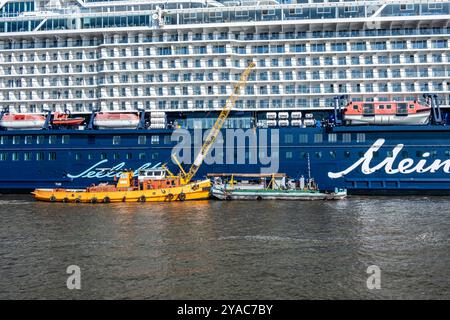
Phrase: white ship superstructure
[82,55]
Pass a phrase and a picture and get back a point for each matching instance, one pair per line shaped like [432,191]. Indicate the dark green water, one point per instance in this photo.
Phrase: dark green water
[226,250]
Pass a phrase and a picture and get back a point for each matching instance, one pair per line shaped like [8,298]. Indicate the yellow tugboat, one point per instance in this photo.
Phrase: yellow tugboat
[150,185]
[155,184]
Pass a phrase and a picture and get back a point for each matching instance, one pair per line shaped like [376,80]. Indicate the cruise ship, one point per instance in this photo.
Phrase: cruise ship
[354,93]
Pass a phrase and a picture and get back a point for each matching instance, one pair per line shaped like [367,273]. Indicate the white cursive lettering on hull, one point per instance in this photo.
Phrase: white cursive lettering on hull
[96,172]
[405,166]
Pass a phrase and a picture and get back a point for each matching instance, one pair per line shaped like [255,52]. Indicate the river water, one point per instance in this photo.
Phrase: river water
[226,250]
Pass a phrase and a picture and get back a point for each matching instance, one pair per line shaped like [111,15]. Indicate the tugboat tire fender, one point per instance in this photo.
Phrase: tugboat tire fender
[169,197]
[93,200]
[142,198]
[65,200]
[182,196]
[52,198]
[106,200]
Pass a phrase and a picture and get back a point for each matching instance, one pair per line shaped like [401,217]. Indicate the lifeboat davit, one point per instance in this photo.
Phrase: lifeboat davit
[22,121]
[116,120]
[62,119]
[387,113]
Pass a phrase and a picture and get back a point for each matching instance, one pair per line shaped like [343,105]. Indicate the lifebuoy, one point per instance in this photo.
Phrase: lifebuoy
[106,200]
[142,198]
[169,197]
[182,196]
[52,198]
[93,200]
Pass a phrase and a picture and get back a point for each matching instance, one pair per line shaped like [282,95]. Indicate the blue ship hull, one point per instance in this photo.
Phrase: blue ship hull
[365,160]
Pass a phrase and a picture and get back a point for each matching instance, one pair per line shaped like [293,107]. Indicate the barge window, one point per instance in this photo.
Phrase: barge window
[39,139]
[65,139]
[28,139]
[332,137]
[27,156]
[16,139]
[360,137]
[142,139]
[51,139]
[116,140]
[318,138]
[3,156]
[155,139]
[303,138]
[52,156]
[289,155]
[39,156]
[15,156]
[142,156]
[347,137]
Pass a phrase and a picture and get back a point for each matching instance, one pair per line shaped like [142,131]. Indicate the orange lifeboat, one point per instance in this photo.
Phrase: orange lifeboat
[387,113]
[22,121]
[63,119]
[116,120]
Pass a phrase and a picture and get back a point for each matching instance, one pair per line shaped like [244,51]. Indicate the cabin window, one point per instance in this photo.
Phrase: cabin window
[288,138]
[361,154]
[116,140]
[90,156]
[389,153]
[129,156]
[376,154]
[52,156]
[381,107]
[289,155]
[419,153]
[65,139]
[155,155]
[142,139]
[304,155]
[347,137]
[405,154]
[15,156]
[77,156]
[360,137]
[155,139]
[303,138]
[433,154]
[51,139]
[332,137]
[411,106]
[167,139]
[28,139]
[447,153]
[355,107]
[27,156]
[318,155]
[333,154]
[40,139]
[39,156]
[142,156]
[16,139]
[116,156]
[3,156]
[318,138]
[389,107]
[3,139]
[103,156]
[347,154]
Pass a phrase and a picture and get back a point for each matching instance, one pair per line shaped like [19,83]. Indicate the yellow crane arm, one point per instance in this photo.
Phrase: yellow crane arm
[215,130]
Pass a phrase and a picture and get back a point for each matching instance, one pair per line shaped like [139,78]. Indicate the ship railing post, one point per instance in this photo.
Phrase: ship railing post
[437,109]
